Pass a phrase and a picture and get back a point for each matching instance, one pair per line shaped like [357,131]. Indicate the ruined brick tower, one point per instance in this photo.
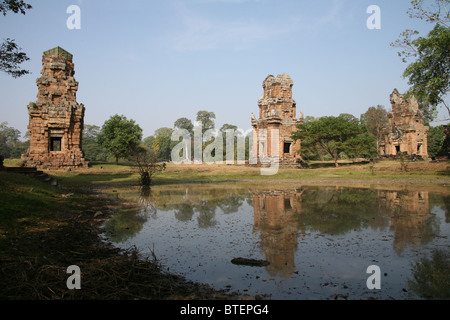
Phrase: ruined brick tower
[277,120]
[56,119]
[406,132]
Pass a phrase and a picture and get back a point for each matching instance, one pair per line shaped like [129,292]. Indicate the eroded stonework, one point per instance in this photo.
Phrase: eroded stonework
[56,119]
[277,120]
[407,132]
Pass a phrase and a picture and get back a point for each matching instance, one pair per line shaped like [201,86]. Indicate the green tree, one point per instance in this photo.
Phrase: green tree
[429,74]
[93,151]
[20,147]
[435,140]
[118,135]
[9,138]
[363,145]
[375,119]
[184,123]
[334,135]
[206,119]
[162,145]
[10,53]
[231,128]
[148,142]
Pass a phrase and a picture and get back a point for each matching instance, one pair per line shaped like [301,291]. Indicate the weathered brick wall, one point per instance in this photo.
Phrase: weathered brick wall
[55,119]
[277,111]
[407,132]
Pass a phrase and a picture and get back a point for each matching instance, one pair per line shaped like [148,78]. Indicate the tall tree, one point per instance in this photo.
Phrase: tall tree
[333,134]
[206,119]
[428,75]
[435,140]
[184,123]
[9,138]
[93,151]
[118,135]
[231,129]
[162,144]
[375,118]
[11,56]
[148,142]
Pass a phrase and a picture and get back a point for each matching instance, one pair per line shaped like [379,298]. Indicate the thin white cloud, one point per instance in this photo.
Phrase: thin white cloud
[203,34]
[333,15]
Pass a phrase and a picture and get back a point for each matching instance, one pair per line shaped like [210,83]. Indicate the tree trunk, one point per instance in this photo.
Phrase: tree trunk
[336,161]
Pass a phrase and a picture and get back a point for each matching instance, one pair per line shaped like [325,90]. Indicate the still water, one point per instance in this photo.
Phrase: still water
[319,241]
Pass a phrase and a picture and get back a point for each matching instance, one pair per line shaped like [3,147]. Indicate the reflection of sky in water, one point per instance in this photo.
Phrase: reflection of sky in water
[319,241]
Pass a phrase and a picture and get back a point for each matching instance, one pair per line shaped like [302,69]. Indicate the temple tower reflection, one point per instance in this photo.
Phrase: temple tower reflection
[275,219]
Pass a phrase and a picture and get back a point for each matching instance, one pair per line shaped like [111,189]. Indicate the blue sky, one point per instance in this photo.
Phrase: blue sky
[160,60]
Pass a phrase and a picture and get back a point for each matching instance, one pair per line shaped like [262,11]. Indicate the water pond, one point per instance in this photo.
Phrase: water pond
[317,241]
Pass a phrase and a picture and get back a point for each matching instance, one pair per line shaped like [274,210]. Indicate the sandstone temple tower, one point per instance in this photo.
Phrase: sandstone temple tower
[406,132]
[277,120]
[56,119]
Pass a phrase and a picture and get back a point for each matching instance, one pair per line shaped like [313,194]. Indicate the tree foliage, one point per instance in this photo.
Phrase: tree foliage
[428,75]
[206,119]
[162,144]
[93,151]
[435,140]
[10,144]
[375,119]
[335,135]
[118,135]
[11,56]
[184,123]
[14,6]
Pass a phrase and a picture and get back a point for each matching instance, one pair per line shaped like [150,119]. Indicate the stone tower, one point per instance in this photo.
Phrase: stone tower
[56,119]
[406,132]
[277,114]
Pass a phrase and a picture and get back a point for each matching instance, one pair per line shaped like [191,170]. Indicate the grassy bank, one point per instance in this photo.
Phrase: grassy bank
[44,230]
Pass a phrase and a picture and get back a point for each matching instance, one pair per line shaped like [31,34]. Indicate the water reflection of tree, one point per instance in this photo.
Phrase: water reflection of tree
[431,277]
[231,204]
[207,214]
[190,203]
[184,212]
[146,202]
[336,211]
[339,210]
[128,223]
[124,225]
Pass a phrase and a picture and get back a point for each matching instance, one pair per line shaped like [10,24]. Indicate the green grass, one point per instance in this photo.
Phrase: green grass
[27,207]
[24,199]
